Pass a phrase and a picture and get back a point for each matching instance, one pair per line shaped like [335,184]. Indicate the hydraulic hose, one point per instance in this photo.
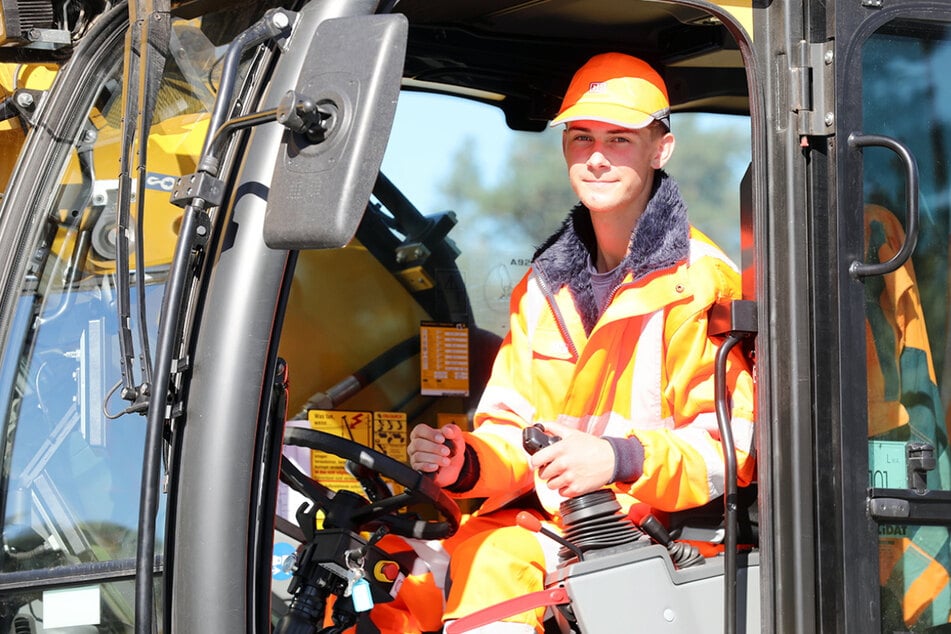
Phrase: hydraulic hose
[193,232]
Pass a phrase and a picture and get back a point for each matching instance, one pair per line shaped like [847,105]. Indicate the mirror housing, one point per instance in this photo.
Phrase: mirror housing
[322,182]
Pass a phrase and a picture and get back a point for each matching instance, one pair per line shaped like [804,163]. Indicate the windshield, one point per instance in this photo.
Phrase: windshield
[73,447]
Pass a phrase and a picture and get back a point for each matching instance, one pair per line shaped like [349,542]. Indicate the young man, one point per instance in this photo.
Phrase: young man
[608,349]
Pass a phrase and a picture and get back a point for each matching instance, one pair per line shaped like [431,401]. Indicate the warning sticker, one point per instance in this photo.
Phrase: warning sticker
[385,432]
[444,359]
[328,469]
[389,434]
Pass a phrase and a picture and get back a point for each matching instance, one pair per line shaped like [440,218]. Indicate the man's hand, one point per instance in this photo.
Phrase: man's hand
[578,464]
[438,451]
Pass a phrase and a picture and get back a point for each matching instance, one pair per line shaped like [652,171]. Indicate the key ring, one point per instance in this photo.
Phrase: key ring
[348,558]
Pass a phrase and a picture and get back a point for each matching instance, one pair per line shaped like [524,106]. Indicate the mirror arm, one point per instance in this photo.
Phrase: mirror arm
[275,23]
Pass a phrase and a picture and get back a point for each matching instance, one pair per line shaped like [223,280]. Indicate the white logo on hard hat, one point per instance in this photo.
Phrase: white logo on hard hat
[597,86]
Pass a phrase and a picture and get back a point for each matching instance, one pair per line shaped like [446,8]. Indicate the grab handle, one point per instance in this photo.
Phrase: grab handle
[863,269]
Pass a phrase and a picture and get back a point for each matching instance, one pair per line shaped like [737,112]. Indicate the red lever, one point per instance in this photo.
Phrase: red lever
[497,612]
[531,523]
[528,521]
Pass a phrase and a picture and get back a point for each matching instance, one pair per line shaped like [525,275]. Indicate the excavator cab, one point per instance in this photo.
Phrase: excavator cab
[246,247]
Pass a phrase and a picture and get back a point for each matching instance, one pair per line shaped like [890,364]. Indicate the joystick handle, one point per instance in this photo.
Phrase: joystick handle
[535,438]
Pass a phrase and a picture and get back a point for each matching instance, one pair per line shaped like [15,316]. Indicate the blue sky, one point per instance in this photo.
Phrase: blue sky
[430,132]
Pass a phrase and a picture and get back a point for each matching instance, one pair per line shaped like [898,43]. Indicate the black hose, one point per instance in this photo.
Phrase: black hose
[166,350]
[274,23]
[362,377]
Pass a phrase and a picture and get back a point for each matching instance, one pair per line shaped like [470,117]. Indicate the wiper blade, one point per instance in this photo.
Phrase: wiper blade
[145,56]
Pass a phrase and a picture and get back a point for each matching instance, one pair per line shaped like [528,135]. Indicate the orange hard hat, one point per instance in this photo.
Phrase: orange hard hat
[616,88]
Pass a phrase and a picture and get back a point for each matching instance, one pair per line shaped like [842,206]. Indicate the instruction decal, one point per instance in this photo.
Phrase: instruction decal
[328,469]
[444,359]
[389,434]
[385,432]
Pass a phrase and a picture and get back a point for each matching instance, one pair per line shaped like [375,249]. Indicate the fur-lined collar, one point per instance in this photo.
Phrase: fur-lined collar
[660,239]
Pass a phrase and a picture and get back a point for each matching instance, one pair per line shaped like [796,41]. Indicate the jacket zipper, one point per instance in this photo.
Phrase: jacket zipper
[556,313]
[611,297]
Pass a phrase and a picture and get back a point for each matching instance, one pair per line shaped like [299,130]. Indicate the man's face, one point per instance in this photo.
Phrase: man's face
[612,168]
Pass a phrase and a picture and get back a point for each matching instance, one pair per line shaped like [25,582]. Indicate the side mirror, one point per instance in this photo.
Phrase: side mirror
[324,177]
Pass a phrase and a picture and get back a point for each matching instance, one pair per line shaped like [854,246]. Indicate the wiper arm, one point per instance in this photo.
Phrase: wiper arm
[87,215]
[193,233]
[145,56]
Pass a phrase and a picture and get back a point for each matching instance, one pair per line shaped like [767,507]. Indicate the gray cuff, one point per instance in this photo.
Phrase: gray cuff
[628,458]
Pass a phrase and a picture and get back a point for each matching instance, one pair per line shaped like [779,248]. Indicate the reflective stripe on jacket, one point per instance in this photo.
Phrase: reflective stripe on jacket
[644,367]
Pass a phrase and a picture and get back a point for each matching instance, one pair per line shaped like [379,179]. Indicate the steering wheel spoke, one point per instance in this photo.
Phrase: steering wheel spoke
[385,506]
[313,490]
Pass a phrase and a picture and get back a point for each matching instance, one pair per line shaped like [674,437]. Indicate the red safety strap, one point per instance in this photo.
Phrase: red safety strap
[497,612]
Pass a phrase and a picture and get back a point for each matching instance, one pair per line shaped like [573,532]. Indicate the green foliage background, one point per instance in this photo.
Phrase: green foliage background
[531,196]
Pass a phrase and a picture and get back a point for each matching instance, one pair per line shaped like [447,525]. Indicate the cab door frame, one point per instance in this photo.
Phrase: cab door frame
[855,605]
[227,448]
[822,541]
[785,462]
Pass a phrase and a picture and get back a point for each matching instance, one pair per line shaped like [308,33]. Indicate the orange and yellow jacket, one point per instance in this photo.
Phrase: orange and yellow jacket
[642,368]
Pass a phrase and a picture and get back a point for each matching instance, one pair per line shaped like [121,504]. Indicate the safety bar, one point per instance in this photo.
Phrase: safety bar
[736,320]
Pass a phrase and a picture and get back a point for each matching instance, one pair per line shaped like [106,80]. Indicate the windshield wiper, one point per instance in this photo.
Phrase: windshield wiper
[206,191]
[145,56]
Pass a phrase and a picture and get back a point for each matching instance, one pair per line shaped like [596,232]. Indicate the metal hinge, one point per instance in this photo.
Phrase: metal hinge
[813,89]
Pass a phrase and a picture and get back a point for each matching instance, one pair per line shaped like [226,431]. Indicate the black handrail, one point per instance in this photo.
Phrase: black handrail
[742,324]
[864,269]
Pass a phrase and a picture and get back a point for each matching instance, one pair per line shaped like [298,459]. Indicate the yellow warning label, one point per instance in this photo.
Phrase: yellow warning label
[444,359]
[385,432]
[389,434]
[352,425]
[328,469]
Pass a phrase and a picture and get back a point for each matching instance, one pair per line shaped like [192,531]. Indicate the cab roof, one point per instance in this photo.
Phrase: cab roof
[521,54]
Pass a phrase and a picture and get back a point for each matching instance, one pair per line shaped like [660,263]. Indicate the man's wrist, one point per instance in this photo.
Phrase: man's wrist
[468,474]
[628,458]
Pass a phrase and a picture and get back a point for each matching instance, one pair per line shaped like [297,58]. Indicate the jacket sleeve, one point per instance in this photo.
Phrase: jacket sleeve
[504,409]
[684,462]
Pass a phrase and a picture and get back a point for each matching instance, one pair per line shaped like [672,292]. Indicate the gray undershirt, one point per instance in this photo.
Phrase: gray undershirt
[603,285]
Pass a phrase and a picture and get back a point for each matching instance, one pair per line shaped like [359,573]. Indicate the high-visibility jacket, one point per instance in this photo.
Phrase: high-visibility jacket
[643,368]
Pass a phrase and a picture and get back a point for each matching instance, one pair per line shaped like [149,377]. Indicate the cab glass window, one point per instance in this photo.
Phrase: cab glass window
[905,93]
[73,444]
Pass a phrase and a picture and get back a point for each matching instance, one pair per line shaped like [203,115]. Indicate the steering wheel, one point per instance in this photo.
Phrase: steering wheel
[345,509]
